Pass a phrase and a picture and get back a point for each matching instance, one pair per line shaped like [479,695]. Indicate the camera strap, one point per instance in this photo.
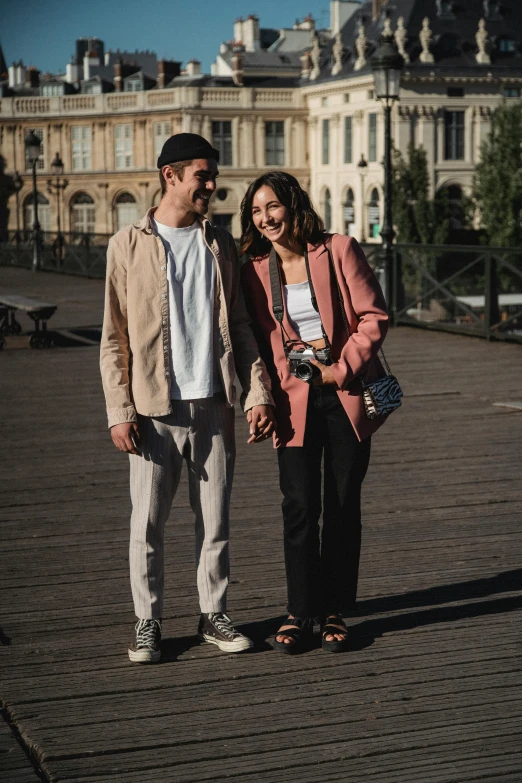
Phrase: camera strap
[277,296]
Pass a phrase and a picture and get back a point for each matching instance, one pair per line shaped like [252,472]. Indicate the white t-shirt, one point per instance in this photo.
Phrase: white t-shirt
[191,279]
[301,313]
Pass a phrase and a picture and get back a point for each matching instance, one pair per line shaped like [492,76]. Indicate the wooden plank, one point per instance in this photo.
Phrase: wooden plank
[430,689]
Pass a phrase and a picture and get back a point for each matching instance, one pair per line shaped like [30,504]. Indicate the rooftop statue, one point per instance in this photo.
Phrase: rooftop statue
[425,37]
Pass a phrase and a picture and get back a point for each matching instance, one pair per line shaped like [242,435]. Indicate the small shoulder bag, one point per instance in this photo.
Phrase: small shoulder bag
[380,397]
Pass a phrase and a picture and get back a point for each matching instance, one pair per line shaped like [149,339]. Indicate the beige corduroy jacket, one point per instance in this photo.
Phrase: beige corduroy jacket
[135,345]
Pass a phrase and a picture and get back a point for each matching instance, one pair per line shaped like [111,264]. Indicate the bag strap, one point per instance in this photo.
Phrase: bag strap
[341,302]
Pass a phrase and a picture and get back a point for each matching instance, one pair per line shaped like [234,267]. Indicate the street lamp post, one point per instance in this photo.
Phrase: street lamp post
[32,148]
[362,166]
[56,187]
[17,185]
[387,65]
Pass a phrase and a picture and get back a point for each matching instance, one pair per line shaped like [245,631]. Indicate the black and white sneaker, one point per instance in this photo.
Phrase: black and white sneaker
[146,647]
[217,629]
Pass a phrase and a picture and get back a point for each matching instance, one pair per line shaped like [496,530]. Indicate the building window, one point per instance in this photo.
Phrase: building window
[324,101]
[275,143]
[347,139]
[44,213]
[372,137]
[92,89]
[327,210]
[81,147]
[326,142]
[454,135]
[506,45]
[123,146]
[82,214]
[161,134]
[374,215]
[511,92]
[40,163]
[132,85]
[347,97]
[349,213]
[222,140]
[371,95]
[454,198]
[224,220]
[126,210]
[51,90]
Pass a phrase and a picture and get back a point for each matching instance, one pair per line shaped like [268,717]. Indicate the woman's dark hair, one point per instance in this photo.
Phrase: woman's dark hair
[305,224]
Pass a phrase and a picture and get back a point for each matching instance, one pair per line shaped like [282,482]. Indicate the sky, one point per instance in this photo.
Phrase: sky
[42,32]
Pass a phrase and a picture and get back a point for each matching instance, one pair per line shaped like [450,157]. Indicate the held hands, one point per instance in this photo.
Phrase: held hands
[126,437]
[262,422]
[326,376]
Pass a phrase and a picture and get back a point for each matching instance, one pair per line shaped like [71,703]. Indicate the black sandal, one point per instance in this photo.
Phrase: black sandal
[329,629]
[301,635]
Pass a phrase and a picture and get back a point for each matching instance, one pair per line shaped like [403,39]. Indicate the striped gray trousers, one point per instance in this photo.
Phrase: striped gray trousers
[201,432]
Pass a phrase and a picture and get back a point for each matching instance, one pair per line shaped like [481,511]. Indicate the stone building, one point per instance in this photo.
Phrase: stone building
[297,98]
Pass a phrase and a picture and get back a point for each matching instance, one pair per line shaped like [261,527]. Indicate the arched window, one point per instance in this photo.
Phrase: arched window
[44,213]
[327,209]
[374,215]
[83,220]
[126,210]
[454,195]
[349,213]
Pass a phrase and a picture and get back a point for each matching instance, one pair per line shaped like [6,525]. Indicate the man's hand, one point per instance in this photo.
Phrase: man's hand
[122,436]
[326,375]
[262,422]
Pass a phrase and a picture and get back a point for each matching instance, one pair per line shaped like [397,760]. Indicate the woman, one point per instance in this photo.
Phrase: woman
[324,415]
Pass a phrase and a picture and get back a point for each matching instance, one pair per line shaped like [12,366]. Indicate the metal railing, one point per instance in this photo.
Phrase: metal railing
[458,288]
[68,253]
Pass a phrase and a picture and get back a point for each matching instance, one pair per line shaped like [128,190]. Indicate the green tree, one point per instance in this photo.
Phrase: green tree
[497,185]
[416,217]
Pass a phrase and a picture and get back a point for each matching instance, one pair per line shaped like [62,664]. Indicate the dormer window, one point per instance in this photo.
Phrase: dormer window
[133,85]
[53,89]
[92,88]
[492,9]
[506,45]
[445,9]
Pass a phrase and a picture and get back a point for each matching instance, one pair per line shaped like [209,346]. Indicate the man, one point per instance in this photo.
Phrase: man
[175,330]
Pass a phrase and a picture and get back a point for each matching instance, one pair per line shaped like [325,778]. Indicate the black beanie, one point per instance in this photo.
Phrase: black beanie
[186,146]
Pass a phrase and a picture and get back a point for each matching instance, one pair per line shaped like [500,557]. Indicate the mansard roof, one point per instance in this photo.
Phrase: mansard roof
[453,25]
[204,80]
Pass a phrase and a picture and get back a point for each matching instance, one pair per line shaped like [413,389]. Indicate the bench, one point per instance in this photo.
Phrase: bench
[39,312]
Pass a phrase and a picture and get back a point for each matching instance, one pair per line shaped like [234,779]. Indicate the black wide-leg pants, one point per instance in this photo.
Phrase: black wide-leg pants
[322,574]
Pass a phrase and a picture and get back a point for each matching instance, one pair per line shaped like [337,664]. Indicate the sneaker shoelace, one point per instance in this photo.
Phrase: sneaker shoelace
[224,624]
[147,633]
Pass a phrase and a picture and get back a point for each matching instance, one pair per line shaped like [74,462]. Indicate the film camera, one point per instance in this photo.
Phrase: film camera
[300,365]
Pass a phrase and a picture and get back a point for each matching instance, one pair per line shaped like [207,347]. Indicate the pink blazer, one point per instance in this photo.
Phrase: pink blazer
[365,309]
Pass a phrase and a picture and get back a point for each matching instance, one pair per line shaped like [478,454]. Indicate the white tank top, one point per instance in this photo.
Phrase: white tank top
[301,313]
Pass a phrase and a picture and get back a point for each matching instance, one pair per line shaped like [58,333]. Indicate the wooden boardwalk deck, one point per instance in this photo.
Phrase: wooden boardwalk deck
[430,691]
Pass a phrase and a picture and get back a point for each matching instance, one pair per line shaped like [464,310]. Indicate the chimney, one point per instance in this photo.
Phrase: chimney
[167,70]
[193,68]
[238,29]
[32,77]
[118,84]
[237,66]
[251,36]
[306,65]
